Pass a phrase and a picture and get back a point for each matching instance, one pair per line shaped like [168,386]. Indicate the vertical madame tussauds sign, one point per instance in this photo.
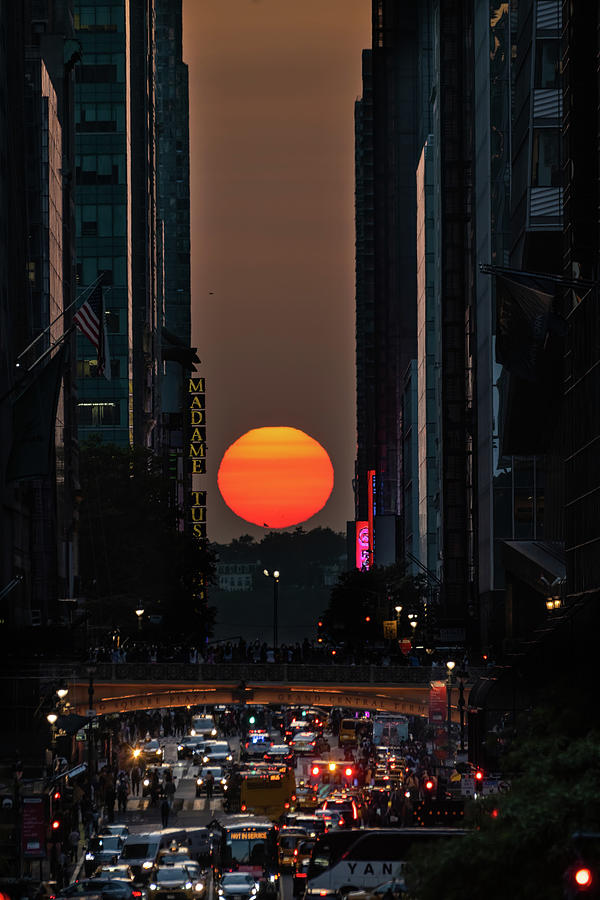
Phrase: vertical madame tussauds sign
[197,453]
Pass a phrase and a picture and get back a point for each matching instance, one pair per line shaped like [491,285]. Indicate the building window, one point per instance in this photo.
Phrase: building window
[92,414]
[547,64]
[98,74]
[545,169]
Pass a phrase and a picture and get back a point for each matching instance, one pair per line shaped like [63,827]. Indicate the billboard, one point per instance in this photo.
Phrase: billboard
[362,545]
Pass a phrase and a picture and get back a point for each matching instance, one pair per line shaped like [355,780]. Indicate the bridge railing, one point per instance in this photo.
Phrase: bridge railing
[290,673]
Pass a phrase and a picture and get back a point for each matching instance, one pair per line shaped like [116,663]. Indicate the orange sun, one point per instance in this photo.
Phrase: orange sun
[275,476]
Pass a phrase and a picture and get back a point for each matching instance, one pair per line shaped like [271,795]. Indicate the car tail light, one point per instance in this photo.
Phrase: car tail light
[341,821]
[354,811]
[301,875]
[243,807]
[296,852]
[136,893]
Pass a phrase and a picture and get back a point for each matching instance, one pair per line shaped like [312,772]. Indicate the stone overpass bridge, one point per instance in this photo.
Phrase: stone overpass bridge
[123,687]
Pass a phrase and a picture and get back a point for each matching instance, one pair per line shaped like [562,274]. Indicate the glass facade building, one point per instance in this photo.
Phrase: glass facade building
[104,208]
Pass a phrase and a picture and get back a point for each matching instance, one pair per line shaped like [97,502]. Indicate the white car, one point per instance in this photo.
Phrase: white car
[239,885]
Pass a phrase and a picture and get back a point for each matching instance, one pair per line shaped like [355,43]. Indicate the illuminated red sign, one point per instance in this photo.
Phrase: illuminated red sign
[362,545]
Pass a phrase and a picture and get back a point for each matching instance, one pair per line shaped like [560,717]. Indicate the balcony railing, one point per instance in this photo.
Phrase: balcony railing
[288,673]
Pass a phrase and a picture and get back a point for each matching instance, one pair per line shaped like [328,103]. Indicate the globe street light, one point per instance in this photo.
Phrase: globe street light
[52,718]
[139,613]
[62,693]
[449,665]
[275,576]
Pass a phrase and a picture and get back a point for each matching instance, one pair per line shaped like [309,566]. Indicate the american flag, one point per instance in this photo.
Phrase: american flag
[89,318]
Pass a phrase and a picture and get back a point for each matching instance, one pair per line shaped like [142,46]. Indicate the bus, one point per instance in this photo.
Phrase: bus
[268,791]
[390,731]
[354,859]
[245,843]
[352,731]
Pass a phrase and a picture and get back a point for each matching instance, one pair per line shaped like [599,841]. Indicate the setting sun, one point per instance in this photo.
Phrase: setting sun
[275,476]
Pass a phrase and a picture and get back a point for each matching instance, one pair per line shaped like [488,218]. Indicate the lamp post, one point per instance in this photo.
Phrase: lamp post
[91,670]
[139,613]
[398,611]
[52,717]
[275,576]
[449,665]
[461,708]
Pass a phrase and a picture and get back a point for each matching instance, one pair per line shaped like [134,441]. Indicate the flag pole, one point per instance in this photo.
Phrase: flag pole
[488,269]
[26,374]
[42,333]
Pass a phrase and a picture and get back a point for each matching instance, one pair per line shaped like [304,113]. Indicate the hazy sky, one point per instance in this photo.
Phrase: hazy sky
[272,91]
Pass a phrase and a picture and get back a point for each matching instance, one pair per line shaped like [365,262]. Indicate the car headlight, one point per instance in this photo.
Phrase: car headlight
[214,732]
[199,781]
[158,750]
[153,887]
[146,782]
[89,855]
[229,757]
[188,885]
[205,759]
[220,892]
[180,746]
[193,733]
[199,886]
[147,864]
[223,781]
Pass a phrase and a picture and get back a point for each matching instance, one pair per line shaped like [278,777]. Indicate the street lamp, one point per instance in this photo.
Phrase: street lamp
[139,613]
[62,693]
[52,718]
[449,665]
[275,576]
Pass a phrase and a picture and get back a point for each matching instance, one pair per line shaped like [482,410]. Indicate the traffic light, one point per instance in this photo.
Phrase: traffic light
[429,785]
[581,880]
[315,770]
[478,776]
[348,772]
[251,720]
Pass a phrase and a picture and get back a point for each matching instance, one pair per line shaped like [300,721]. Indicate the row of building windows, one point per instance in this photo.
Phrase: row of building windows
[100,18]
[92,414]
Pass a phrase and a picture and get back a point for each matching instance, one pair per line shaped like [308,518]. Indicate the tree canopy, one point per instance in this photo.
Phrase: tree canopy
[131,550]
[521,843]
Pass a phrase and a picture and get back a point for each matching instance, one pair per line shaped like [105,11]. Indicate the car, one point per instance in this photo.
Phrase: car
[304,743]
[175,882]
[106,848]
[220,782]
[238,884]
[203,726]
[216,752]
[257,743]
[152,752]
[287,841]
[346,807]
[173,856]
[295,726]
[121,830]
[311,825]
[189,745]
[105,888]
[116,872]
[279,753]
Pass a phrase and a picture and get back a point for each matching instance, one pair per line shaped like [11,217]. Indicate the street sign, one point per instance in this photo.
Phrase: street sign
[405,646]
[390,629]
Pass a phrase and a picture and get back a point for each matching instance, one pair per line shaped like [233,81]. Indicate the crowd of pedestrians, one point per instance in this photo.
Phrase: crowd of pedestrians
[254,652]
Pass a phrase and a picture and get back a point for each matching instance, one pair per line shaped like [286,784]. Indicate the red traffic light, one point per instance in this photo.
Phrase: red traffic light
[348,771]
[320,624]
[56,795]
[583,877]
[55,824]
[316,770]
[478,775]
[429,785]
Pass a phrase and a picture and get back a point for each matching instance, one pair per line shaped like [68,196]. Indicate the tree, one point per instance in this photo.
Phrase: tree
[365,593]
[521,843]
[131,550]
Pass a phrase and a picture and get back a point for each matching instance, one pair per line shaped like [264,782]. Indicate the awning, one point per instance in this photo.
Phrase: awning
[540,564]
